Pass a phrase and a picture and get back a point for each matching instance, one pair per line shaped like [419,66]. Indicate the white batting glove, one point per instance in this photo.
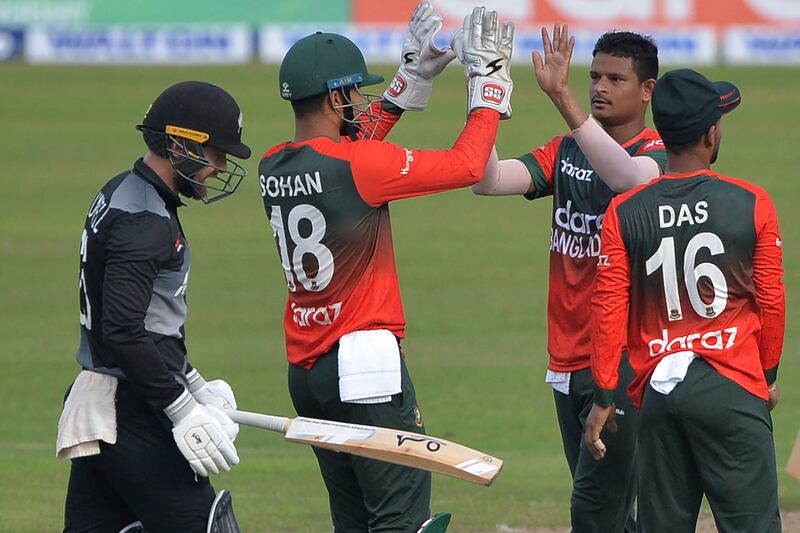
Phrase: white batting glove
[201,436]
[422,61]
[216,393]
[485,51]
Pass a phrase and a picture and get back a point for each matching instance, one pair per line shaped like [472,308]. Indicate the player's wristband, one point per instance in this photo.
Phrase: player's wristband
[195,380]
[771,374]
[603,397]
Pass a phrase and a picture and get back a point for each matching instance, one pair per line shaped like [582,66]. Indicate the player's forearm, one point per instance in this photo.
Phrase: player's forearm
[610,161]
[609,313]
[566,103]
[609,308]
[769,288]
[386,172]
[127,288]
[502,178]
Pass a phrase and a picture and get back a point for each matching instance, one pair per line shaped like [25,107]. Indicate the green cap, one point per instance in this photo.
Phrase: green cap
[320,62]
[686,104]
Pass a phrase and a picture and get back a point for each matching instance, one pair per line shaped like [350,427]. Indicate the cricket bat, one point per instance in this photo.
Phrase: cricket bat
[793,468]
[390,445]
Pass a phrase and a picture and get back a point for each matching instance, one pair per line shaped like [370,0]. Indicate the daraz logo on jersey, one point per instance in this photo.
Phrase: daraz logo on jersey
[575,234]
[580,174]
[721,339]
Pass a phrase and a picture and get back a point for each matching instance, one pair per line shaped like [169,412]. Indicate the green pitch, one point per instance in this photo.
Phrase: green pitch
[473,273]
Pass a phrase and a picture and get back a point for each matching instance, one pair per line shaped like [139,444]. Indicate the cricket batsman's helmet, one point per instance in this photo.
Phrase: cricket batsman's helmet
[194,114]
[321,62]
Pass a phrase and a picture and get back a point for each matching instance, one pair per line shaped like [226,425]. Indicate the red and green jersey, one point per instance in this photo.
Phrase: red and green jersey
[327,203]
[690,262]
[580,199]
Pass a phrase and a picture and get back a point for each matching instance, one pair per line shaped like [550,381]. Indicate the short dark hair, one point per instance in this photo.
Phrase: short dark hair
[641,49]
[308,106]
[683,147]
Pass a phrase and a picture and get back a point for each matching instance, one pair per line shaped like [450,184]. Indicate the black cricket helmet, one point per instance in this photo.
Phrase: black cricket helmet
[188,116]
[325,62]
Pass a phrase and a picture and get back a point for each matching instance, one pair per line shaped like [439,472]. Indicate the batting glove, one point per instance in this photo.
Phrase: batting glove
[201,435]
[422,61]
[485,51]
[216,393]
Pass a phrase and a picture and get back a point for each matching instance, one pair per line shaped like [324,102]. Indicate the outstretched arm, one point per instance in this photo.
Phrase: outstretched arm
[504,178]
[610,161]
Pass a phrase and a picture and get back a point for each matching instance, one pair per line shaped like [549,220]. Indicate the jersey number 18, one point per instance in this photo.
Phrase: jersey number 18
[309,244]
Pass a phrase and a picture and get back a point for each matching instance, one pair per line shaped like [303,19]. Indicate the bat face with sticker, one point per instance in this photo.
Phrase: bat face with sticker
[390,445]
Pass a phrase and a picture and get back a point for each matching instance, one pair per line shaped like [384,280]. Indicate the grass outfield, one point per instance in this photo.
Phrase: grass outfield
[473,273]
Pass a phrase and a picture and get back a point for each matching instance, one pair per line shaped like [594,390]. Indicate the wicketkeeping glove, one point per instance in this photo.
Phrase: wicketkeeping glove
[201,435]
[485,51]
[422,61]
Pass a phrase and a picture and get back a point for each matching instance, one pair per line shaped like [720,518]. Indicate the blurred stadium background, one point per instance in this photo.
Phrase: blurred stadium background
[78,74]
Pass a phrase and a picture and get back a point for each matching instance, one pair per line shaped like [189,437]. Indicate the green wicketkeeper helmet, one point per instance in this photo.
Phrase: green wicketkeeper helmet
[320,62]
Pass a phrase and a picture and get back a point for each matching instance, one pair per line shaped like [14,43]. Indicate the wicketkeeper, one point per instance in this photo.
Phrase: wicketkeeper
[327,195]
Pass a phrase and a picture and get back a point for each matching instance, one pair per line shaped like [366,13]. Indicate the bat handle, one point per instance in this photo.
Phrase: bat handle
[270,422]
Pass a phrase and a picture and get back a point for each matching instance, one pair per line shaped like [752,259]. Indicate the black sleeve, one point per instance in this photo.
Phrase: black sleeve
[137,245]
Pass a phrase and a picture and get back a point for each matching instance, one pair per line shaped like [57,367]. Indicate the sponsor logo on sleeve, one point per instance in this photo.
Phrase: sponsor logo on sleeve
[409,159]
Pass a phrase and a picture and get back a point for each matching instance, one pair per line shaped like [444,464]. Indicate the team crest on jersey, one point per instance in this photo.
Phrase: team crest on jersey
[492,93]
[178,245]
[397,86]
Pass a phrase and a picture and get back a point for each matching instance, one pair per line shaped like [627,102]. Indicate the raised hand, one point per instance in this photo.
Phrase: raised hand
[422,60]
[552,72]
[485,48]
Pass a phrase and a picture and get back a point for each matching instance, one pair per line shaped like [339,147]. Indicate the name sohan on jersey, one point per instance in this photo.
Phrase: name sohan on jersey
[297,185]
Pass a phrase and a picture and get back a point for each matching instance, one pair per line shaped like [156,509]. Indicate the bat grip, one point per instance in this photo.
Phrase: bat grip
[269,422]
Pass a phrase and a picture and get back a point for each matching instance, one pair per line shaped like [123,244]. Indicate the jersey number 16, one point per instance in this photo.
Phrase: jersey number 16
[665,257]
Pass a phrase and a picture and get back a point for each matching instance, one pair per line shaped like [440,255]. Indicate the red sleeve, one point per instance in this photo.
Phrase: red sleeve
[384,172]
[609,307]
[770,292]
[546,157]
[389,115]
